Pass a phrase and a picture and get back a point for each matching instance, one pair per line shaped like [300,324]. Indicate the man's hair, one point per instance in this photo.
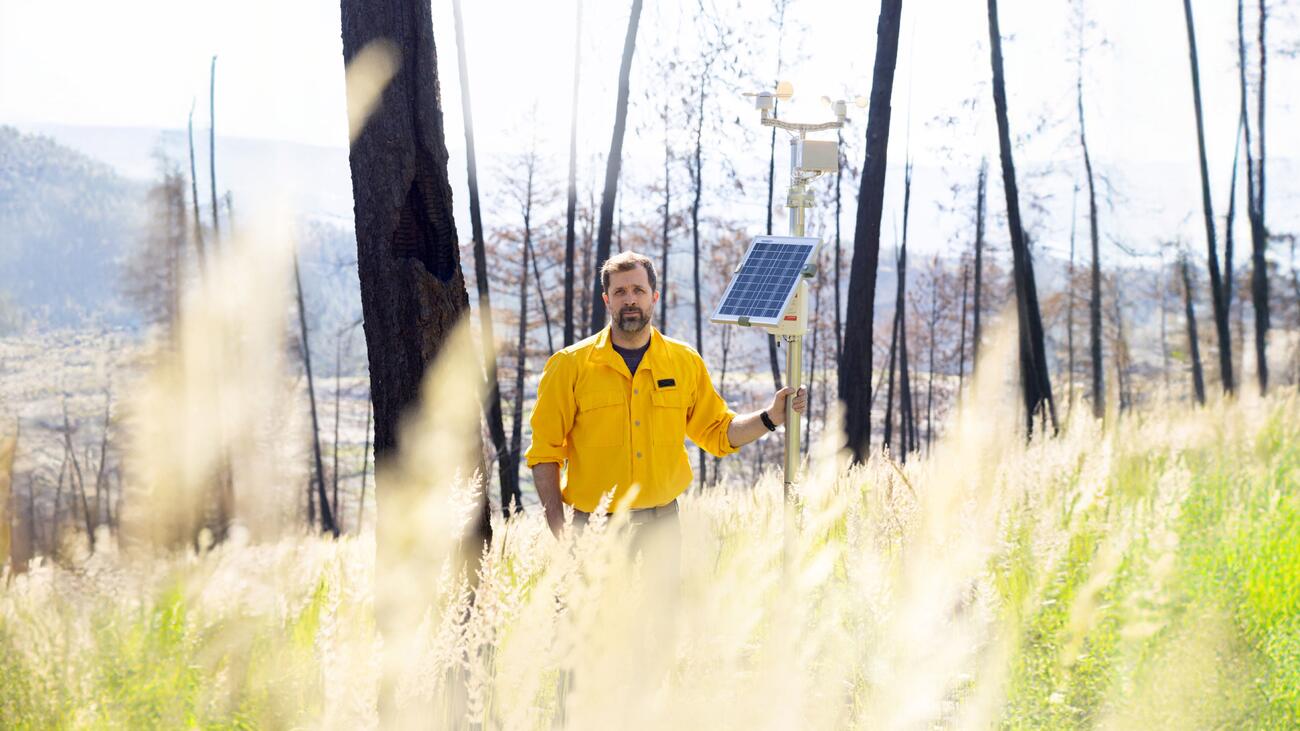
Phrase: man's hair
[626,262]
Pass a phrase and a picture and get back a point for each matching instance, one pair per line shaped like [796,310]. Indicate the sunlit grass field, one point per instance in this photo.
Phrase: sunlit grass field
[1142,575]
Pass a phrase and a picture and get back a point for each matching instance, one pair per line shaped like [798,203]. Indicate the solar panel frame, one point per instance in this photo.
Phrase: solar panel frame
[766,280]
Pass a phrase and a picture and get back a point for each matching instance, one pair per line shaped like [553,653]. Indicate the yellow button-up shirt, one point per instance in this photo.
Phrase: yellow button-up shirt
[610,429]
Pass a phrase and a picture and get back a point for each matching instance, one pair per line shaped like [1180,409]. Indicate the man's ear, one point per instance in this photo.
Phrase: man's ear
[655,301]
[605,296]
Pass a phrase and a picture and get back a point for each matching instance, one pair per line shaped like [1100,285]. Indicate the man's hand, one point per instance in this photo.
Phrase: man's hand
[776,412]
[546,478]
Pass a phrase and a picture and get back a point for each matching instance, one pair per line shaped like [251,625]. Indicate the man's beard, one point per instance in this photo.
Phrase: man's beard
[632,320]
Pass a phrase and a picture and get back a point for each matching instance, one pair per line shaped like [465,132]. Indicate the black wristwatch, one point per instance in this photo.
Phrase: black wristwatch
[767,421]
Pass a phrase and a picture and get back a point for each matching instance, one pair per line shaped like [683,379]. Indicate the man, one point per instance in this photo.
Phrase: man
[618,406]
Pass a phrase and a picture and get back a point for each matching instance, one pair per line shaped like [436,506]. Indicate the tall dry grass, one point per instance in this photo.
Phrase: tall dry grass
[1146,574]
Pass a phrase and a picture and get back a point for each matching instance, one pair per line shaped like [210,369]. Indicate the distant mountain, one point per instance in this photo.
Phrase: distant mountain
[64,219]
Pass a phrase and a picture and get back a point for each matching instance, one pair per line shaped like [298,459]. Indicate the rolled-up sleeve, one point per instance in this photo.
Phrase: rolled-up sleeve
[553,411]
[709,417]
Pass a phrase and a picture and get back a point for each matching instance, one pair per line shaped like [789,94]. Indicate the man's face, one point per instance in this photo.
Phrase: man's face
[629,299]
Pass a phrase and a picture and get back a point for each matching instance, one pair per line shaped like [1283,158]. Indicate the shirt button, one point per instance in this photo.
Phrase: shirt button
[637,422]
[638,455]
[636,391]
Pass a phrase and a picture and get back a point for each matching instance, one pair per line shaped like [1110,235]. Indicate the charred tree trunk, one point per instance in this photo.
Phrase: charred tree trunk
[541,297]
[408,260]
[1255,193]
[855,371]
[194,191]
[1094,298]
[1033,358]
[1216,282]
[334,470]
[326,514]
[961,339]
[613,163]
[839,323]
[981,189]
[365,469]
[516,498]
[212,150]
[1069,305]
[1193,340]
[697,180]
[773,360]
[487,335]
[571,207]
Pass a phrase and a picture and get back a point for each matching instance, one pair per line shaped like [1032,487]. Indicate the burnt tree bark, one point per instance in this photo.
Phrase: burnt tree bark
[1255,192]
[1094,294]
[212,150]
[1034,377]
[194,193]
[1193,341]
[327,522]
[981,190]
[613,163]
[1216,281]
[855,371]
[496,429]
[571,207]
[408,260]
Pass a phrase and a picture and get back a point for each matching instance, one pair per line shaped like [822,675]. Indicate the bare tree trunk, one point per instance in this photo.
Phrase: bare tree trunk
[100,484]
[773,360]
[334,472]
[194,191]
[53,546]
[906,410]
[961,340]
[365,470]
[487,335]
[1069,305]
[1193,341]
[839,324]
[516,497]
[571,207]
[666,245]
[1094,300]
[1216,283]
[541,298]
[212,150]
[76,473]
[855,370]
[326,513]
[929,386]
[888,440]
[613,164]
[408,260]
[697,181]
[1033,359]
[980,193]
[1255,193]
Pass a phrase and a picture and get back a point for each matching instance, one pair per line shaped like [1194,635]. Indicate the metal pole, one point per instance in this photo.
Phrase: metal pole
[798,199]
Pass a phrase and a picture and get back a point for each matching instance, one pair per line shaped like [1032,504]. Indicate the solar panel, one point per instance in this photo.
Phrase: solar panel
[766,280]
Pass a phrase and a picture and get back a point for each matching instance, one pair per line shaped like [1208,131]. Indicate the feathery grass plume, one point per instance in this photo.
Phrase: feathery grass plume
[1140,573]
[220,389]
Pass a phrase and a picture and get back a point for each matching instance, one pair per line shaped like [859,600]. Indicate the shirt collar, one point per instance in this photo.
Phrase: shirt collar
[656,357]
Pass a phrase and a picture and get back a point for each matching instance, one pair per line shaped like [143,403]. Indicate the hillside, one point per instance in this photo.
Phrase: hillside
[64,221]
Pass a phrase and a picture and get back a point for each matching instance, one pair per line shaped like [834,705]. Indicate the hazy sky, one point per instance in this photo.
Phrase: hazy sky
[280,73]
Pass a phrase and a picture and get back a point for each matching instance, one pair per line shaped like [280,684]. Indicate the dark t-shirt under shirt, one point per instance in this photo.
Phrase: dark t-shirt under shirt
[632,356]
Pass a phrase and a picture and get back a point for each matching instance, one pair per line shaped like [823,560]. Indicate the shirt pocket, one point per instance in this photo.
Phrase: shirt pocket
[668,416]
[601,420]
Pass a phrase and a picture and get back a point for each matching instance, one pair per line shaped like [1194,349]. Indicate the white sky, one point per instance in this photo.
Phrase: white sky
[280,73]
